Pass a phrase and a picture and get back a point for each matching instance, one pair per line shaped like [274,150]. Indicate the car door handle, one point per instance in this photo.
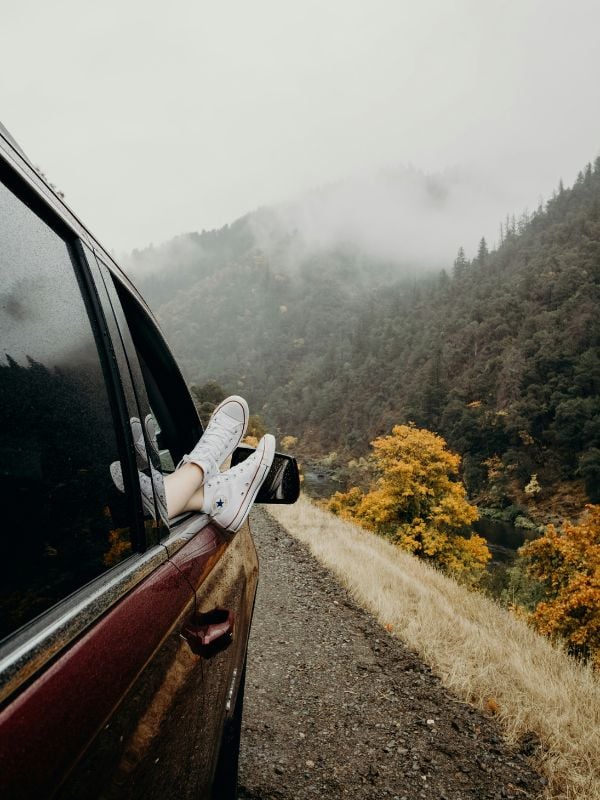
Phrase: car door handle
[211,632]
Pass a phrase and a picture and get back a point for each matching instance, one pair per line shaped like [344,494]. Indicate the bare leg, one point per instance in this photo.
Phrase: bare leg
[196,500]
[183,489]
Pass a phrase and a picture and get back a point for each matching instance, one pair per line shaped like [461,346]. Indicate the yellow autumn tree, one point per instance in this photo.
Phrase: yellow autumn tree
[256,430]
[289,443]
[418,502]
[567,564]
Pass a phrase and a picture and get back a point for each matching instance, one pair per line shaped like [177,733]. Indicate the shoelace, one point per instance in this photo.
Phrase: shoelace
[217,437]
[224,477]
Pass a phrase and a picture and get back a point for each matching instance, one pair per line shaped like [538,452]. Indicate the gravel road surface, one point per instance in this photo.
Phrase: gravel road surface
[337,707]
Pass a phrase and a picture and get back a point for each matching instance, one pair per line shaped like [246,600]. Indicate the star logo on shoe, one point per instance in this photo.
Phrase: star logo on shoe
[220,503]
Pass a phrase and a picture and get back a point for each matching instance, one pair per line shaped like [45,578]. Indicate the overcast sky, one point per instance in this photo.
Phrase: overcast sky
[160,118]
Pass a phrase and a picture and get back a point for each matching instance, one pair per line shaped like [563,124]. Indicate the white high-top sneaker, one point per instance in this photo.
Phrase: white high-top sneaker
[224,432]
[228,496]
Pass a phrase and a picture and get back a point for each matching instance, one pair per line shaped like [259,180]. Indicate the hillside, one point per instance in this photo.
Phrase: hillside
[499,354]
[546,701]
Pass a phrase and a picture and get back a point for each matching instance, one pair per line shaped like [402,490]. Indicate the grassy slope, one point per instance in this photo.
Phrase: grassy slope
[481,651]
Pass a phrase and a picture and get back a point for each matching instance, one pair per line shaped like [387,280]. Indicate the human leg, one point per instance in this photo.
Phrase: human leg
[183,489]
[197,485]
[224,432]
[228,496]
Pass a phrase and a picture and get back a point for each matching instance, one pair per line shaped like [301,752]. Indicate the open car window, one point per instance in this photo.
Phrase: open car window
[178,426]
[170,418]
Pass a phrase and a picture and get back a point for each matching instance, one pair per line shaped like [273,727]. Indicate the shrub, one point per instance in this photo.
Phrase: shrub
[567,564]
[417,501]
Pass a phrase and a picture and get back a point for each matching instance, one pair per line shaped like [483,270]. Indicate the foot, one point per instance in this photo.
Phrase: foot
[224,432]
[228,496]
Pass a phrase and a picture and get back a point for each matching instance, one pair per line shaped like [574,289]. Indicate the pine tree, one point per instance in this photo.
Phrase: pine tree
[482,252]
[460,263]
[434,392]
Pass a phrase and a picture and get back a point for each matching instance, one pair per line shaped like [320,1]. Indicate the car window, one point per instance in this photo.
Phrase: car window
[174,416]
[64,518]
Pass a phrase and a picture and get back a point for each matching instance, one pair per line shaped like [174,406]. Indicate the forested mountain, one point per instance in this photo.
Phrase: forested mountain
[499,354]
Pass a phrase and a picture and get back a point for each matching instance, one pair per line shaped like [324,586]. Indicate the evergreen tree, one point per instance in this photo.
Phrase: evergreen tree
[460,264]
[342,347]
[482,251]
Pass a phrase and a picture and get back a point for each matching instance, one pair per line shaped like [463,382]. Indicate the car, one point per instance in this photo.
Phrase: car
[123,634]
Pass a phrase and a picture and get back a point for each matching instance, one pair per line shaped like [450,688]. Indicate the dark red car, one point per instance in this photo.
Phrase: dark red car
[122,636]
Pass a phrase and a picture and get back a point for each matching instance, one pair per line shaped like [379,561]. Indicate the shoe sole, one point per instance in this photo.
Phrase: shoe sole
[235,398]
[262,470]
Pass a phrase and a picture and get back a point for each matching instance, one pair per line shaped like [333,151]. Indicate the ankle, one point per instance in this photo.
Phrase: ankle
[193,469]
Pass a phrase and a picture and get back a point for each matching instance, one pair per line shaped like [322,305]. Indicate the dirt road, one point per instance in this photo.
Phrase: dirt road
[337,707]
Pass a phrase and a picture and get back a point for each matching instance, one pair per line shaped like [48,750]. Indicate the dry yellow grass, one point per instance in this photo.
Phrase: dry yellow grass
[482,652]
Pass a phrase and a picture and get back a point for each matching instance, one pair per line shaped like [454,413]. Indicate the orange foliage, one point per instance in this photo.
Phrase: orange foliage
[567,564]
[418,502]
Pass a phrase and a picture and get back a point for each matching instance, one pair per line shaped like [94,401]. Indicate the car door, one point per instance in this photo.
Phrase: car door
[78,571]
[221,568]
[96,682]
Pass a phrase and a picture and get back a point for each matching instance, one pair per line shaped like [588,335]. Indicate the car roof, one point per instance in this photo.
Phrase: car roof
[10,138]
[23,164]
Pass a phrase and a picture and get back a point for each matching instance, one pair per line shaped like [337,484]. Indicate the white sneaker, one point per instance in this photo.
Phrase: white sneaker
[224,432]
[228,496]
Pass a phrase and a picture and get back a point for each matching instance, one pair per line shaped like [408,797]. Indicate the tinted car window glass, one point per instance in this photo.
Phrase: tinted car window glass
[63,519]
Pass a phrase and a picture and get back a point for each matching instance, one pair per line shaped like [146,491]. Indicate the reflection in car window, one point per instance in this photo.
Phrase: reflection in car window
[64,522]
[165,455]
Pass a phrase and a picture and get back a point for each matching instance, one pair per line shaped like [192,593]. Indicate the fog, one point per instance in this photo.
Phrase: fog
[401,215]
[155,120]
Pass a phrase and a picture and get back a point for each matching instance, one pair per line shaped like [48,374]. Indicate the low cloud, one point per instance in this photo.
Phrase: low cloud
[400,215]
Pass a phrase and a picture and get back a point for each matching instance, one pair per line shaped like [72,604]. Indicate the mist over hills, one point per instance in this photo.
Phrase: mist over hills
[400,215]
[334,332]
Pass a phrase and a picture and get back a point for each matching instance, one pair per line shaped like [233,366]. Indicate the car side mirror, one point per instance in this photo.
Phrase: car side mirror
[282,484]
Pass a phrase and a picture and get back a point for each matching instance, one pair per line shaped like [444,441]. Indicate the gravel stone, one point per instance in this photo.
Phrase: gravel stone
[327,711]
